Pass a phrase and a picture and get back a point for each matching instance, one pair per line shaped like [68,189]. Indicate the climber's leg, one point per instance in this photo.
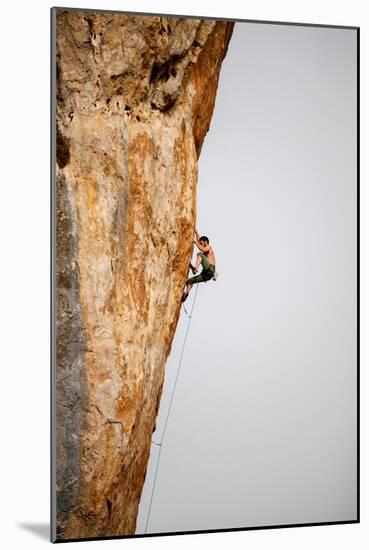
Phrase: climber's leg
[186,292]
[189,284]
[197,279]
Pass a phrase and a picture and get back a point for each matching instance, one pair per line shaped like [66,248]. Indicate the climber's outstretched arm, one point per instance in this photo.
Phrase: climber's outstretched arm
[202,247]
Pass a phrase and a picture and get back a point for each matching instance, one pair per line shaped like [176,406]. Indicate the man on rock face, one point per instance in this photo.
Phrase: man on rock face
[206,258]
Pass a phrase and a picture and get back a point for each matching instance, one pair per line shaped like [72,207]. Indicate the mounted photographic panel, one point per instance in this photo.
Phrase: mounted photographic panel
[205,274]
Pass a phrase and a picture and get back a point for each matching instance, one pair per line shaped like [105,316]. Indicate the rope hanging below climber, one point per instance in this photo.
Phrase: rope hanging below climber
[160,445]
[206,258]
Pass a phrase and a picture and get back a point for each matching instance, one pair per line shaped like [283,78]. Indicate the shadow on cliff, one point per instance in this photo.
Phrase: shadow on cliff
[40,529]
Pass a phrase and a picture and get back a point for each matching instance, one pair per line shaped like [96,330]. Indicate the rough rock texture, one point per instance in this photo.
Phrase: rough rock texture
[135,96]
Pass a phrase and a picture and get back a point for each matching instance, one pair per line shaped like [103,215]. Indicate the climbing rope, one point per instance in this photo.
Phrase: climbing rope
[160,445]
[185,310]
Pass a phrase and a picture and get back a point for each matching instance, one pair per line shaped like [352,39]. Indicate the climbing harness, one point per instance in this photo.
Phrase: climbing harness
[160,445]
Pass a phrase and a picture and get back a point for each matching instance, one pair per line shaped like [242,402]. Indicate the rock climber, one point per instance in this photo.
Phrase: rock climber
[206,258]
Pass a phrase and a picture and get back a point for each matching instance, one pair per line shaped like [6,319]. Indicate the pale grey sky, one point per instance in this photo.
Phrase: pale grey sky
[263,425]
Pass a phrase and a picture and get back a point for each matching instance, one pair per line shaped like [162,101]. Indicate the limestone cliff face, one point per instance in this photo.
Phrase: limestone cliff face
[135,96]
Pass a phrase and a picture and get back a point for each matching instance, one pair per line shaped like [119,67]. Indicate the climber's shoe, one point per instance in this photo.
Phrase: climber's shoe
[184,297]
